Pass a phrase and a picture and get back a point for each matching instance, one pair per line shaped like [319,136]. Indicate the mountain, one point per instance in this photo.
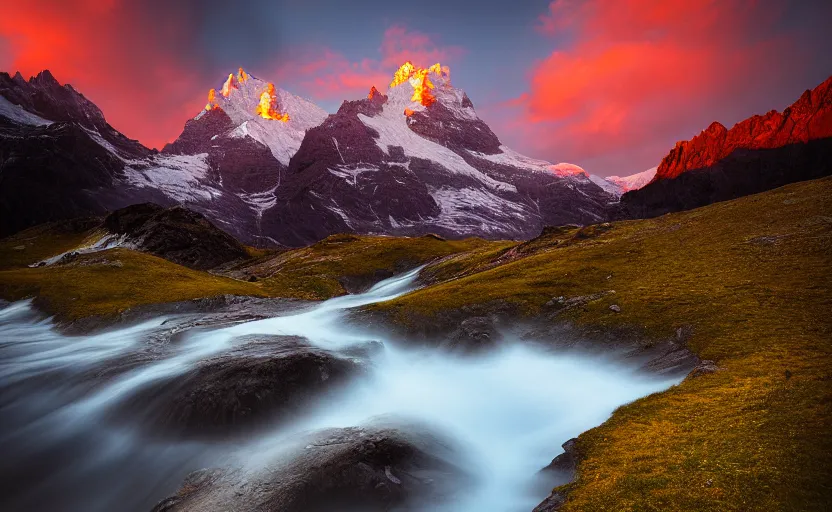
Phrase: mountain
[272,168]
[419,160]
[250,130]
[618,185]
[61,159]
[757,154]
[41,101]
[809,118]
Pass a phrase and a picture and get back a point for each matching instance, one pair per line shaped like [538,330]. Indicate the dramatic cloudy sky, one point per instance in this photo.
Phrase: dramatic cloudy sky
[607,84]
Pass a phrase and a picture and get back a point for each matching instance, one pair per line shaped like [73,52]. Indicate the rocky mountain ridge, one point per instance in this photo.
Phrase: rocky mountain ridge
[808,118]
[757,154]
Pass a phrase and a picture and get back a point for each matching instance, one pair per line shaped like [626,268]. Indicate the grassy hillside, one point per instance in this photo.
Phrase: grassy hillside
[107,283]
[751,277]
[40,242]
[348,263]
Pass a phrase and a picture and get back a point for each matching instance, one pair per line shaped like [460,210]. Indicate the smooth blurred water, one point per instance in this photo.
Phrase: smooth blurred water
[510,409]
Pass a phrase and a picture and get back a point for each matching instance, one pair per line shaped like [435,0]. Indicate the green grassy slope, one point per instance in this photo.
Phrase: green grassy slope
[331,266]
[109,282]
[752,277]
[40,242]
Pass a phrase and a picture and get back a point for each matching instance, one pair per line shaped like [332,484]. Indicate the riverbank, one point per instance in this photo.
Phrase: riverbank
[745,284]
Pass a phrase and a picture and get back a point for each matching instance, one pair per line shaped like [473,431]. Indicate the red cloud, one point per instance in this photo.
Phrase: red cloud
[638,70]
[325,74]
[117,55]
[400,44]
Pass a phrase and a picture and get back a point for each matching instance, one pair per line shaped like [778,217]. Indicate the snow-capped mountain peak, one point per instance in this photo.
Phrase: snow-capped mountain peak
[634,181]
[419,160]
[415,89]
[618,185]
[268,114]
[565,169]
[270,167]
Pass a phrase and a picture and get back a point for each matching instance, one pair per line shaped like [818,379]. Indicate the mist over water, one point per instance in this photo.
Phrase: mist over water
[508,409]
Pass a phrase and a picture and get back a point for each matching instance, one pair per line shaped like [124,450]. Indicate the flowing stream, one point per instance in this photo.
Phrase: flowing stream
[510,408]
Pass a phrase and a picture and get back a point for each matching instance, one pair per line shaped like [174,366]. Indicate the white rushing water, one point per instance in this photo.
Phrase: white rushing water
[510,408]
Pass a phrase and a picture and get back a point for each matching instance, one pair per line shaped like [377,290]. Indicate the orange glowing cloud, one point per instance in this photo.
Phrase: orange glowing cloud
[91,44]
[635,71]
[325,74]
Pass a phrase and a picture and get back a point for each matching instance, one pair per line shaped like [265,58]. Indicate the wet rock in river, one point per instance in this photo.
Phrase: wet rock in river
[267,378]
[376,467]
[568,460]
[476,332]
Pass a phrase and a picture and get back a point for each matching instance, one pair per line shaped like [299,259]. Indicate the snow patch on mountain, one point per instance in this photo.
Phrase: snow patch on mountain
[183,178]
[350,172]
[19,115]
[635,181]
[104,143]
[260,201]
[392,128]
[105,242]
[508,156]
[608,186]
[466,208]
[565,170]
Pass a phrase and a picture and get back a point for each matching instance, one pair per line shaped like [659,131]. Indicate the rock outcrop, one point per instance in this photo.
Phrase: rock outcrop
[177,234]
[375,467]
[758,154]
[267,379]
[809,118]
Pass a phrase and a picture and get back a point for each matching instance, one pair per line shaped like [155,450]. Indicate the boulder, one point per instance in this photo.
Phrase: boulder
[475,332]
[553,502]
[565,465]
[381,466]
[703,368]
[567,461]
[268,378]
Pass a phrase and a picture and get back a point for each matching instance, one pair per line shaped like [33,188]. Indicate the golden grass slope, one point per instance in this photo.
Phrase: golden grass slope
[109,282]
[753,278]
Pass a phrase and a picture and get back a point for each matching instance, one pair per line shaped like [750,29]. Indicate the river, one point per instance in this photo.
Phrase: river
[69,443]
